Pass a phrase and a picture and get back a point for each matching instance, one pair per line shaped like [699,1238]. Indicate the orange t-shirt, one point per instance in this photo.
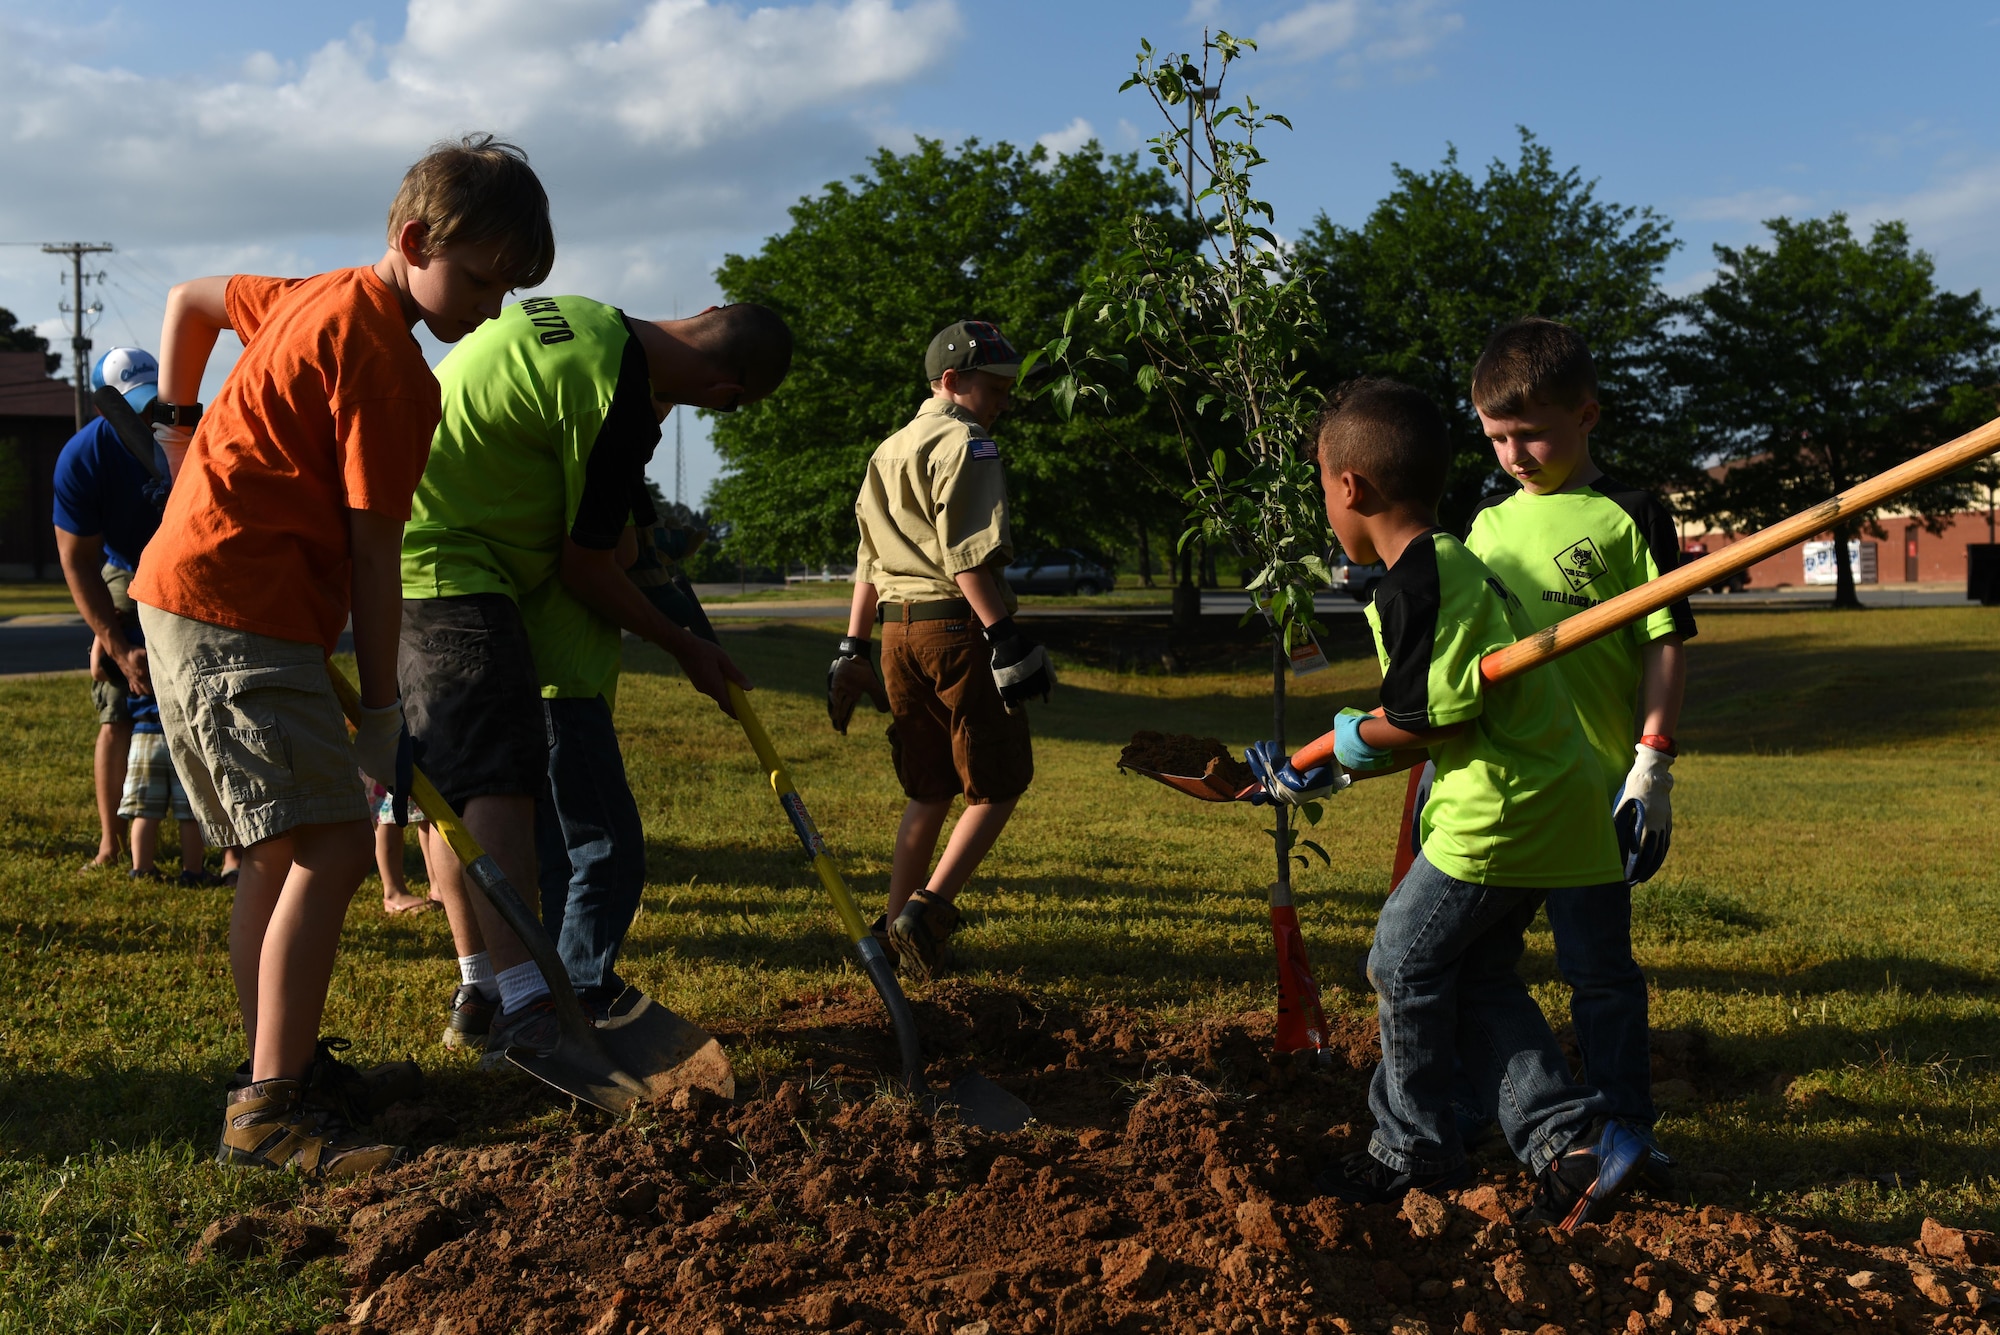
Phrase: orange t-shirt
[330,408]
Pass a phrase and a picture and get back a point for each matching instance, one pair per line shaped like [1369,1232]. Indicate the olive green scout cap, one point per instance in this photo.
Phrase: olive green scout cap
[972,345]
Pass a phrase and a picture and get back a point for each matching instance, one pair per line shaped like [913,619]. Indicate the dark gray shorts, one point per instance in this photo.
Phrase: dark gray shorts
[470,697]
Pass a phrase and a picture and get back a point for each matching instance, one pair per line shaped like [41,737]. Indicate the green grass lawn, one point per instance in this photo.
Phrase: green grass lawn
[34,598]
[1826,922]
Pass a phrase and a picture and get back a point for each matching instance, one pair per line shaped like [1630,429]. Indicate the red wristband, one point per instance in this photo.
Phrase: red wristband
[1660,742]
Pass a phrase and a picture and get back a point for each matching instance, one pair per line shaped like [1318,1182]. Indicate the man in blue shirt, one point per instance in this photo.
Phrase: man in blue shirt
[104,517]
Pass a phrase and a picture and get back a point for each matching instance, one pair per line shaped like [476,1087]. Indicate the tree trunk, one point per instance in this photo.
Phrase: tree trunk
[1145,559]
[1187,594]
[1843,574]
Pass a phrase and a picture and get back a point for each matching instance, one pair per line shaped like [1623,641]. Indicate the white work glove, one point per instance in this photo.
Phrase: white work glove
[172,442]
[377,735]
[1643,813]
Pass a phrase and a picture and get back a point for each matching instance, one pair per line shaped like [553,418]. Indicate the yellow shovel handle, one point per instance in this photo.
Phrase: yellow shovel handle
[422,790]
[802,821]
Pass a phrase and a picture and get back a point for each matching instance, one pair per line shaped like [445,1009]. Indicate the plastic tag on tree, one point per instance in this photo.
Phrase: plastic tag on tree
[1307,658]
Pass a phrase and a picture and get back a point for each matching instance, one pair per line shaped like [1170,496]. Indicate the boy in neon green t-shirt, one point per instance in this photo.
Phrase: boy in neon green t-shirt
[1568,539]
[1514,812]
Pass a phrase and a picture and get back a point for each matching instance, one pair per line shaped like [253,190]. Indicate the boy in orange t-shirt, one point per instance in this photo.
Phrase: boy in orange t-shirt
[285,519]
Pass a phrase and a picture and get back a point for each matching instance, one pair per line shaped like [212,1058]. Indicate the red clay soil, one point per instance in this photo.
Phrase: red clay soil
[1165,1187]
[1190,757]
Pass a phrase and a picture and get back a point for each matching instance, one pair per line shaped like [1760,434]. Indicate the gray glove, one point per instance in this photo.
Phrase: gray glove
[377,736]
[1021,667]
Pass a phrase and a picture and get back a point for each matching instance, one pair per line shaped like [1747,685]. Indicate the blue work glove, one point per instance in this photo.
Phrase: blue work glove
[1284,784]
[1643,813]
[1350,750]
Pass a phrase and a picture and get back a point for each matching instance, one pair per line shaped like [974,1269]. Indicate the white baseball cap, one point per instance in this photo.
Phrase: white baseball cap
[133,372]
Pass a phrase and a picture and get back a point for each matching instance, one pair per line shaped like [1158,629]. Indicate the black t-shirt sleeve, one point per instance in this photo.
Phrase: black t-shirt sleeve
[1656,529]
[643,512]
[616,469]
[1407,600]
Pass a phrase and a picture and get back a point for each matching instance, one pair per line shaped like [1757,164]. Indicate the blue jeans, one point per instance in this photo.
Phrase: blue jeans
[590,844]
[1593,931]
[1451,998]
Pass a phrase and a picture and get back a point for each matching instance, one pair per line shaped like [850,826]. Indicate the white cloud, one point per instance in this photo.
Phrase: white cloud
[1953,219]
[1748,206]
[1070,138]
[1359,32]
[667,131]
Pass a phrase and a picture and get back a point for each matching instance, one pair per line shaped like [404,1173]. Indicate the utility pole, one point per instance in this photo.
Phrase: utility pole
[680,455]
[79,345]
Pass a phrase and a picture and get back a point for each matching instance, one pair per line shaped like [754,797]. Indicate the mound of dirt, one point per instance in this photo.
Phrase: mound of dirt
[1190,757]
[1166,1187]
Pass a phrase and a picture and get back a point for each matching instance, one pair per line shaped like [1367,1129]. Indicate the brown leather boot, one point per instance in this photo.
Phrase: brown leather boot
[270,1124]
[920,933]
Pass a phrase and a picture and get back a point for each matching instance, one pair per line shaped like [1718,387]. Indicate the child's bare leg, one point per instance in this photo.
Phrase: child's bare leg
[396,896]
[260,879]
[145,842]
[194,846]
[327,864]
[916,840]
[114,744]
[971,839]
[448,888]
[432,845]
[504,827]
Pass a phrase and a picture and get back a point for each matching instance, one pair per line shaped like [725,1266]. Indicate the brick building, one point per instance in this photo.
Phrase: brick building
[37,415]
[1908,554]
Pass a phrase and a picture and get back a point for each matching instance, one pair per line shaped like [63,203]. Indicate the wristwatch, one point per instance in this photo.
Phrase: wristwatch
[175,414]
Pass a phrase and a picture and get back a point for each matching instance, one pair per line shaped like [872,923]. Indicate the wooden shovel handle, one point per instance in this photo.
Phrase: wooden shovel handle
[1616,613]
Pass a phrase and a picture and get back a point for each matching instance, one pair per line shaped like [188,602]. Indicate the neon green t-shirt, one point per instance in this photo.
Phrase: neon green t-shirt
[1574,549]
[1517,798]
[547,428]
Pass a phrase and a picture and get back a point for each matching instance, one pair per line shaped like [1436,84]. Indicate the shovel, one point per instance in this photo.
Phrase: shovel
[641,1051]
[980,1102]
[1198,786]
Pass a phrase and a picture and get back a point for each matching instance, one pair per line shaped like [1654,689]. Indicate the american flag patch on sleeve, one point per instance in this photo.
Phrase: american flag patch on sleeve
[980,448]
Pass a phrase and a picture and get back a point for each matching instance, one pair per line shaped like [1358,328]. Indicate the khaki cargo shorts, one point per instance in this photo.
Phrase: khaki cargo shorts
[254,728]
[951,733]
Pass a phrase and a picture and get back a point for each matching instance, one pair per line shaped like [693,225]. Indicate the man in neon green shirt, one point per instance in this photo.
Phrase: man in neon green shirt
[1569,538]
[515,597]
[1514,813]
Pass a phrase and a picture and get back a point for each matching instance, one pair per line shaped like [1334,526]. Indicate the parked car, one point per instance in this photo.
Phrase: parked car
[1736,583]
[1061,570]
[1357,581]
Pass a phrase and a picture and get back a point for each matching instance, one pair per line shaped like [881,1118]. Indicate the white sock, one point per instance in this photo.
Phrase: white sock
[521,985]
[477,971]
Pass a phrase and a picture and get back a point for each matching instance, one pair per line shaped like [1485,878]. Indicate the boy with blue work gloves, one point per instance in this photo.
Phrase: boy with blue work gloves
[1569,538]
[1513,813]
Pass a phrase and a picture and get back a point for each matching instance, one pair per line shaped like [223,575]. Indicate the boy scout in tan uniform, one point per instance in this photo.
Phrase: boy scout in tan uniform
[934,540]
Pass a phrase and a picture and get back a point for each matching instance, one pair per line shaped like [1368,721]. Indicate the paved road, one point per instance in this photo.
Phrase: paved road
[60,643]
[30,645]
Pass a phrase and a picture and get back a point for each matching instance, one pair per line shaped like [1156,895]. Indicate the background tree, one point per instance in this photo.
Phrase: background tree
[871,269]
[17,337]
[1823,360]
[1445,260]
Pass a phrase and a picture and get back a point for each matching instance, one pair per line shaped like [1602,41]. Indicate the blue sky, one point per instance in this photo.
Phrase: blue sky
[211,135]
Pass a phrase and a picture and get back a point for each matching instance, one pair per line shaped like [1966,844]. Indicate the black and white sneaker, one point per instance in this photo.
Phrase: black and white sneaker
[1364,1179]
[471,1018]
[1579,1184]
[533,1029]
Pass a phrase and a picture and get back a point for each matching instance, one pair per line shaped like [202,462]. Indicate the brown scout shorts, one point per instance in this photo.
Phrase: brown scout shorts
[951,734]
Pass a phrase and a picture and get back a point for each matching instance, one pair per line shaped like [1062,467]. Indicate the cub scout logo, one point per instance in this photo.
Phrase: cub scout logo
[1580,565]
[980,448]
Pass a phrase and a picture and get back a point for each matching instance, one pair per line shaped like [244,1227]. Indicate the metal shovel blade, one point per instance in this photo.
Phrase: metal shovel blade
[665,1051]
[1198,786]
[983,1104]
[582,1071]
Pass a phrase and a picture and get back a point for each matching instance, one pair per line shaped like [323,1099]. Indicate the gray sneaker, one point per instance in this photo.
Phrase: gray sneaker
[533,1028]
[920,933]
